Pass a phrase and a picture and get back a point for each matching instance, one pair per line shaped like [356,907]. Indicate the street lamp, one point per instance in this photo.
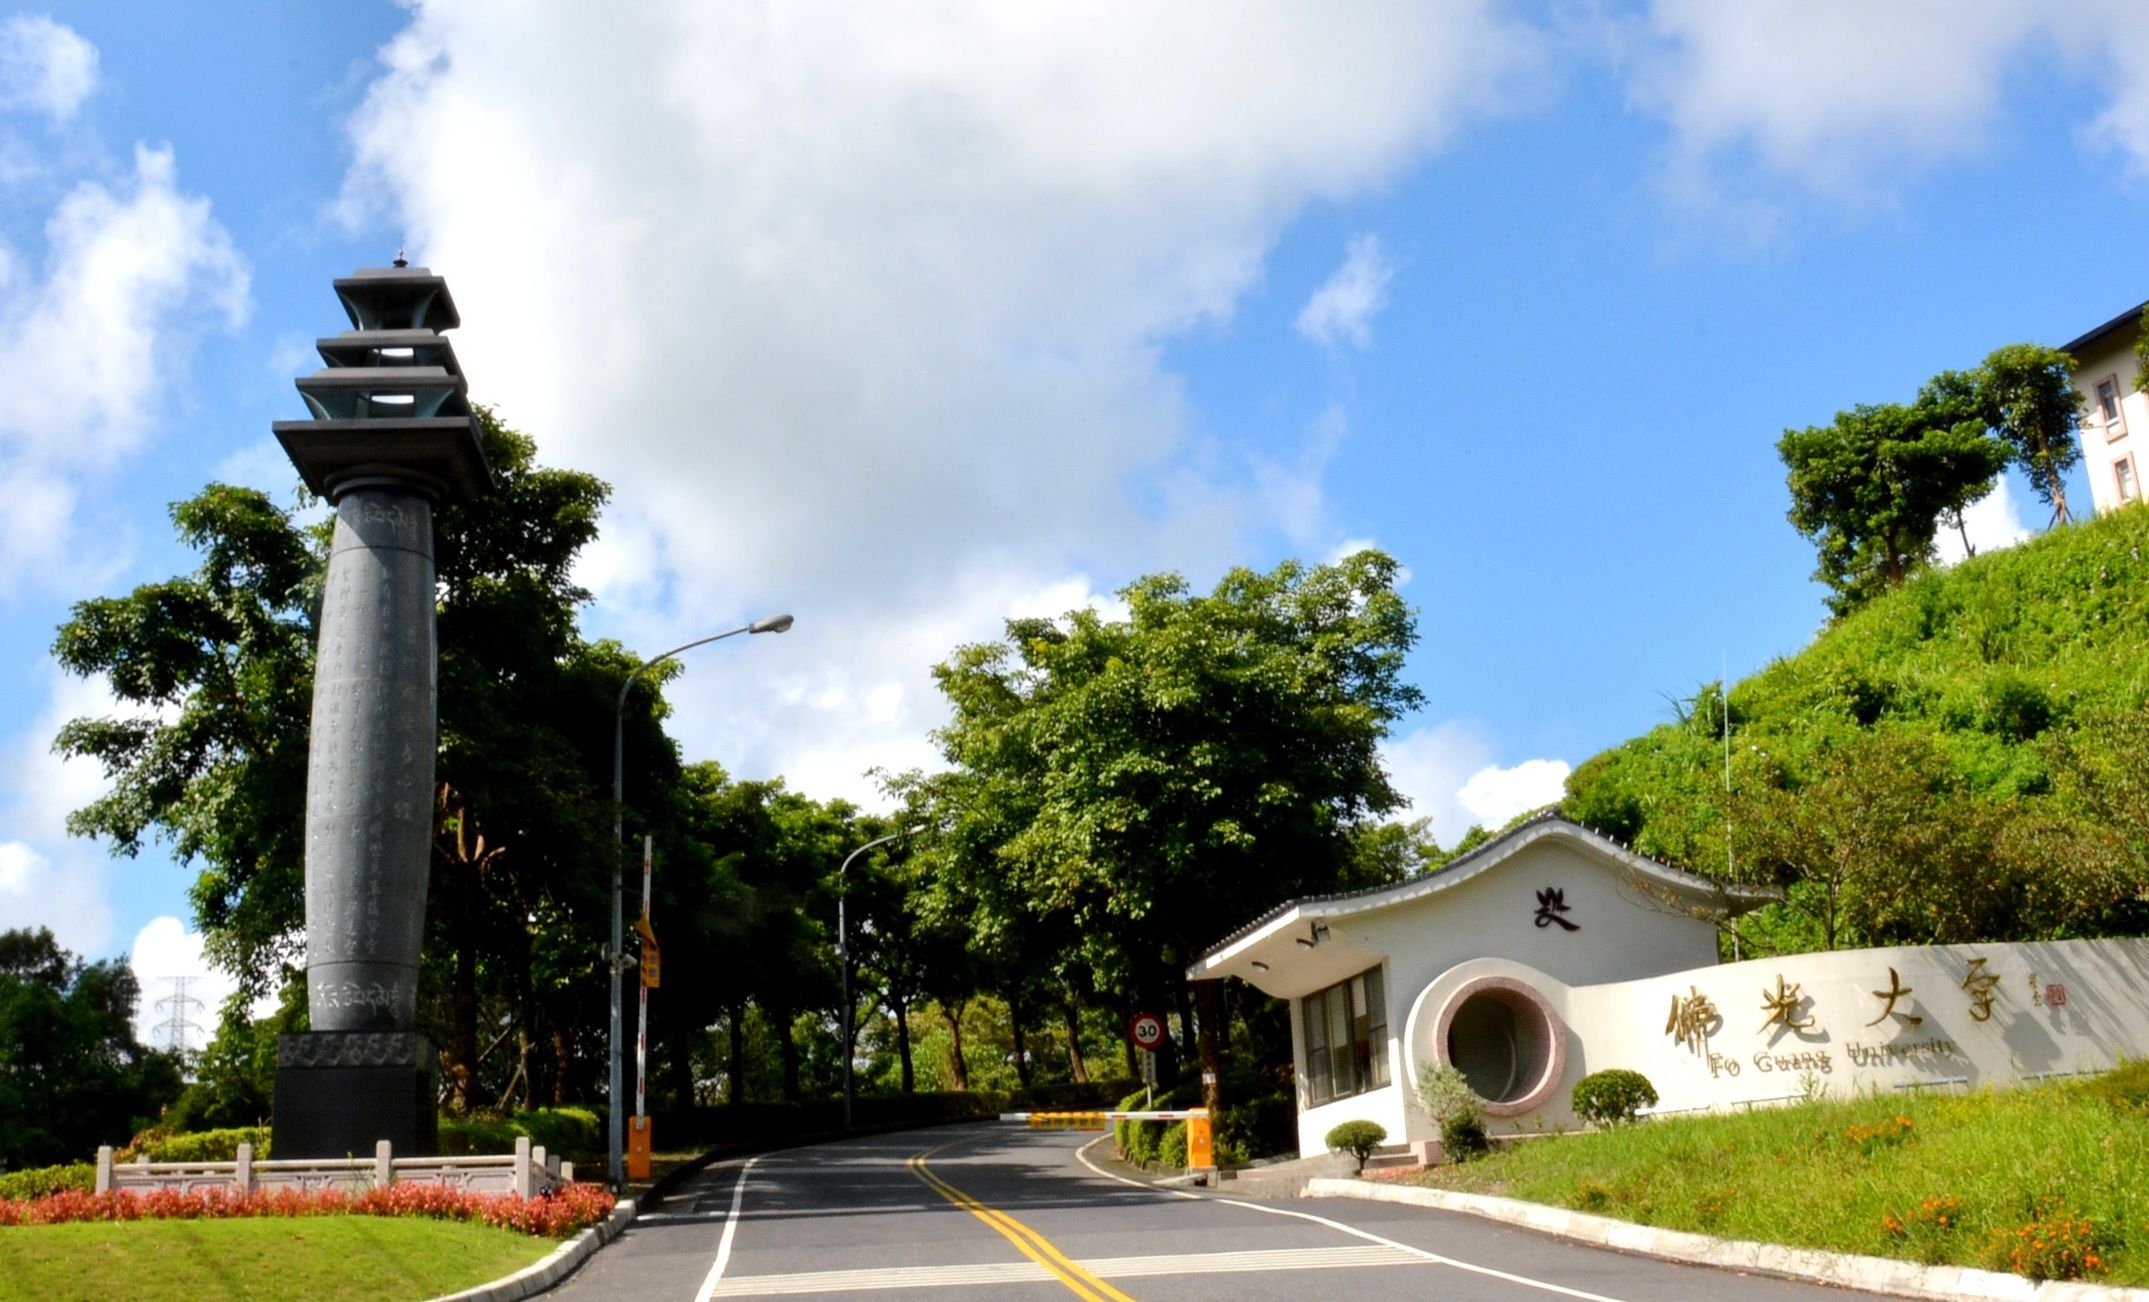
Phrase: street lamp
[616,956]
[843,953]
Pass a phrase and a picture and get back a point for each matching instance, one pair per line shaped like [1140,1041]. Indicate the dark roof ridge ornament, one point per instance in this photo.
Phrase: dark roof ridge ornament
[399,259]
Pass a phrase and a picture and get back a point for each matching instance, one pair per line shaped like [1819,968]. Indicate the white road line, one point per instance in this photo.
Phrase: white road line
[731,1228]
[1026,1272]
[1082,1154]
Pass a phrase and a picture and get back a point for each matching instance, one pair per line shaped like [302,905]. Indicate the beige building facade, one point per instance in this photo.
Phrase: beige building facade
[2115,413]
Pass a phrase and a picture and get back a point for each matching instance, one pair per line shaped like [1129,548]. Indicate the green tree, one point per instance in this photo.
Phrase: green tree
[1871,489]
[1207,748]
[72,1075]
[213,674]
[2029,399]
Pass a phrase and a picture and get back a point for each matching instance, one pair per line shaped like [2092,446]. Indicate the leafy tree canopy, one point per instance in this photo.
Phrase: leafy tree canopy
[1871,489]
[72,1075]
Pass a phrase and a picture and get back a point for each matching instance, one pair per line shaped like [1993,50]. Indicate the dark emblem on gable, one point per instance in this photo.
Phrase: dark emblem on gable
[1551,903]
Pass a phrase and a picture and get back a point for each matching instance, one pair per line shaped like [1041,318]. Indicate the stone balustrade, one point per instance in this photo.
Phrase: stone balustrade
[527,1172]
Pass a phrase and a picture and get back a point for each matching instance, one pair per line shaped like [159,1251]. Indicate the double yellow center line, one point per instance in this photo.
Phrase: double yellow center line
[1029,1242]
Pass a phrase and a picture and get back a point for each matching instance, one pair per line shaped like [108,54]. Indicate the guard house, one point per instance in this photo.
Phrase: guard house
[1461,957]
[2106,372]
[1552,951]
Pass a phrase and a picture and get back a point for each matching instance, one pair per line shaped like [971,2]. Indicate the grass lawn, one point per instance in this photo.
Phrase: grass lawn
[309,1257]
[2046,1181]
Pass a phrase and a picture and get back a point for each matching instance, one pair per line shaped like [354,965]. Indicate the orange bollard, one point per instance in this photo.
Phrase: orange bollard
[1200,1151]
[638,1148]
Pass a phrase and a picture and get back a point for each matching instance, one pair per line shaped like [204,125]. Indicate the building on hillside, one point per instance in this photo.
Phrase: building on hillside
[1552,951]
[2115,415]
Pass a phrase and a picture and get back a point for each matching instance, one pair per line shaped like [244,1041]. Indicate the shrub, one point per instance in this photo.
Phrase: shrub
[197,1146]
[1171,1148]
[1358,1138]
[1613,1097]
[560,1131]
[1463,1137]
[1257,1127]
[42,1181]
[1456,1109]
[1444,1093]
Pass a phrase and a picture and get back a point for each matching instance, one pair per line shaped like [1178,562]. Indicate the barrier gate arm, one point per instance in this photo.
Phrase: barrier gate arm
[1200,1141]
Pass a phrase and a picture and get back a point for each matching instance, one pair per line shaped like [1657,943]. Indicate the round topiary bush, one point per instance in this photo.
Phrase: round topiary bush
[1613,1097]
[1358,1138]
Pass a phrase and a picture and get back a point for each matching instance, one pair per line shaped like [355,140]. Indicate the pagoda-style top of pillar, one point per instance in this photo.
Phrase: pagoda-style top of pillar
[397,298]
[391,405]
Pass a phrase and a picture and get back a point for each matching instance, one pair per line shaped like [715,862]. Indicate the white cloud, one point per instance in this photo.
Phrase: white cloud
[45,67]
[1992,522]
[1429,766]
[168,1015]
[1344,306]
[48,878]
[860,311]
[68,896]
[1447,771]
[1292,492]
[1494,795]
[91,352]
[1843,96]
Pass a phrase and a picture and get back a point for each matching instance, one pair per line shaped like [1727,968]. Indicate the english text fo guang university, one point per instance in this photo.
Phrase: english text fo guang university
[1552,951]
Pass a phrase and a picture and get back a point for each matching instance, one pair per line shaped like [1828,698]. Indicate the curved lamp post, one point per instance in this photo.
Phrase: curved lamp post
[616,956]
[843,953]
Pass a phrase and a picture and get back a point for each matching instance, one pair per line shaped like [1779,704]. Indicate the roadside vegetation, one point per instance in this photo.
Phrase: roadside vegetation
[327,1258]
[2050,1181]
[1963,757]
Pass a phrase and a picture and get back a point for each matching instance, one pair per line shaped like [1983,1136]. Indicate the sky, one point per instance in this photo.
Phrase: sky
[909,318]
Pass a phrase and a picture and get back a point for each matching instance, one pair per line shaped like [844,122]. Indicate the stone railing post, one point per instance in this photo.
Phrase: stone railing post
[243,1177]
[104,1168]
[525,1182]
[383,1164]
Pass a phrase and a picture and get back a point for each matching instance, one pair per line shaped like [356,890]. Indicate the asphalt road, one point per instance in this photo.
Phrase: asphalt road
[997,1211]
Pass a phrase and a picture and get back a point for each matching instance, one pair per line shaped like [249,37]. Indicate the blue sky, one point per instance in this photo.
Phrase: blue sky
[907,319]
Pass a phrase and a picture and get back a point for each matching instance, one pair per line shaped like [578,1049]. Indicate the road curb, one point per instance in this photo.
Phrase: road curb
[1873,1274]
[555,1266]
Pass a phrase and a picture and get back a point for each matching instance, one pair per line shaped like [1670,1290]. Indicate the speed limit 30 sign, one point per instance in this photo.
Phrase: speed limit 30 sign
[1146,1030]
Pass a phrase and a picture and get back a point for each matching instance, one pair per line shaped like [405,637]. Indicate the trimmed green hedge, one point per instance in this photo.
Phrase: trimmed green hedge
[39,1181]
[197,1146]
[561,1131]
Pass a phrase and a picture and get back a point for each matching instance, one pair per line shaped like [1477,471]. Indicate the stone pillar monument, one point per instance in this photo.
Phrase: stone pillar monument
[391,437]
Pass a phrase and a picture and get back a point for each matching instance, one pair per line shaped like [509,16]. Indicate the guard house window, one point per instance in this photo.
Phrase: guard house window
[2108,406]
[2123,471]
[1346,1038]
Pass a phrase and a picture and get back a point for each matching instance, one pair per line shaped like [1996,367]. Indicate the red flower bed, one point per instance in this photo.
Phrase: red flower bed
[556,1215]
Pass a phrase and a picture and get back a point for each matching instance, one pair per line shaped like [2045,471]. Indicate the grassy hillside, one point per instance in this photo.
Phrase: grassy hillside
[2043,1181]
[2013,684]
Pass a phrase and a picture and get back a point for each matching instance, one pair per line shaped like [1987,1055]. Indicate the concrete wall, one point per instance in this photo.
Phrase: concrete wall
[2051,1009]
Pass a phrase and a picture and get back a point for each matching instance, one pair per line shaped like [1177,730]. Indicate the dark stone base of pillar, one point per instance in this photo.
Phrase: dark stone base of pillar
[339,1093]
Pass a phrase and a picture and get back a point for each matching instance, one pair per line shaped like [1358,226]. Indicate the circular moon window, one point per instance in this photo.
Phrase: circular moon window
[1506,1041]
